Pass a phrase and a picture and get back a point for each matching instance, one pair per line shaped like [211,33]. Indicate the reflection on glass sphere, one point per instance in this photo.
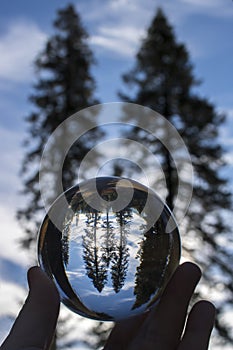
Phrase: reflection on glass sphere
[110,260]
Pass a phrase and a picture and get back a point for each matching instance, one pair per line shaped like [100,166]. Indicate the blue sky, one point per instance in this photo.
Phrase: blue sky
[115,28]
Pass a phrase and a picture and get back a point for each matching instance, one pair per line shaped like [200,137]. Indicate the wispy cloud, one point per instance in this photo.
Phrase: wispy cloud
[124,24]
[10,200]
[18,46]
[10,185]
[10,161]
[125,21]
[122,39]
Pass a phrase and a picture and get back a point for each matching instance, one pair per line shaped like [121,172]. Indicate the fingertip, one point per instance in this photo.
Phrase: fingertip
[183,281]
[41,285]
[32,271]
[202,317]
[206,309]
[191,268]
[199,326]
[208,305]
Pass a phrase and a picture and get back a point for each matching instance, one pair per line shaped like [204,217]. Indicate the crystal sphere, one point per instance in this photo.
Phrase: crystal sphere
[110,245]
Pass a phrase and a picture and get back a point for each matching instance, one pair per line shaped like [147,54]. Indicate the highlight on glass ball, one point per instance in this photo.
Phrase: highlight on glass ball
[110,245]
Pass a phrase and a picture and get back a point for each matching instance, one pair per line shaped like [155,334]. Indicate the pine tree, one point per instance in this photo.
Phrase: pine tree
[96,267]
[162,79]
[64,86]
[120,257]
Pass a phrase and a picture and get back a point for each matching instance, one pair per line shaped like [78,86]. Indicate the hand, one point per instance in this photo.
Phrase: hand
[35,325]
[159,329]
[162,328]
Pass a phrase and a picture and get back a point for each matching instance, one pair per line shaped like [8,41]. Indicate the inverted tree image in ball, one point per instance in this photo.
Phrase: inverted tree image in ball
[110,245]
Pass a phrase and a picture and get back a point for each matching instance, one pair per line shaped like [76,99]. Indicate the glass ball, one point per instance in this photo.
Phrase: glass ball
[110,245]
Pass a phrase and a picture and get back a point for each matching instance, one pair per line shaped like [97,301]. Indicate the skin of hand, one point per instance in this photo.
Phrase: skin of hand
[161,328]
[35,325]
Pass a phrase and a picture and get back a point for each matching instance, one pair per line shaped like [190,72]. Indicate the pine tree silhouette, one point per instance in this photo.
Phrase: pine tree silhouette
[92,252]
[120,258]
[162,78]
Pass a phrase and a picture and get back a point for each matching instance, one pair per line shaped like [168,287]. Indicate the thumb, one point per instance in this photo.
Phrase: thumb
[35,325]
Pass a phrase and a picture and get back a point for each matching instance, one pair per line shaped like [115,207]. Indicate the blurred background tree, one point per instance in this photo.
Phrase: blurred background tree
[65,85]
[162,79]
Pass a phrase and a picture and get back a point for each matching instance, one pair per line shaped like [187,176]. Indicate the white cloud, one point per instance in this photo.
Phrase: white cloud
[13,260]
[126,21]
[124,24]
[122,40]
[11,156]
[228,158]
[109,10]
[18,46]
[10,185]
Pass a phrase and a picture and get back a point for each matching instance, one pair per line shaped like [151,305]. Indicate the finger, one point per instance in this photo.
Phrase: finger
[123,332]
[164,325]
[36,322]
[199,326]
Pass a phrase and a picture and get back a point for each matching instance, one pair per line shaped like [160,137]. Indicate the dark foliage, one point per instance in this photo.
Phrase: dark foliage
[64,86]
[162,79]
